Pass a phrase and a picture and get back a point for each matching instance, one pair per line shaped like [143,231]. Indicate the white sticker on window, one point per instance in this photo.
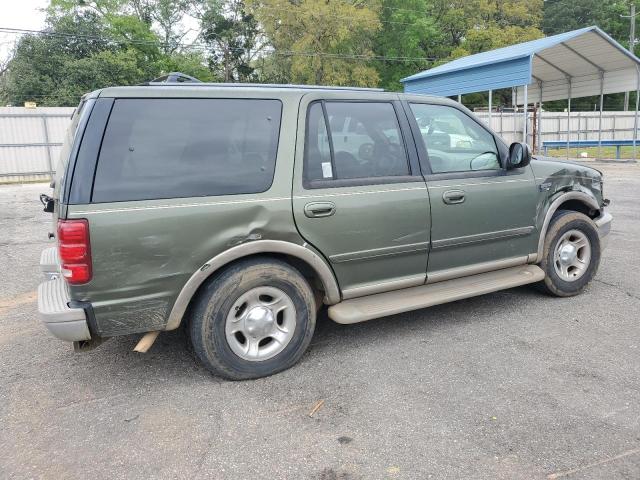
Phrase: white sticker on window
[327,172]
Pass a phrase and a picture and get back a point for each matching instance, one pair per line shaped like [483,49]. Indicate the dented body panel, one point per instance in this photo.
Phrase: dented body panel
[144,252]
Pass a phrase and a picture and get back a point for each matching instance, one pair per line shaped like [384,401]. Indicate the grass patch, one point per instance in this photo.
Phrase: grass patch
[626,153]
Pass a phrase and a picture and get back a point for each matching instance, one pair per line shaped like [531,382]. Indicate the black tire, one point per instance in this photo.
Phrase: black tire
[563,222]
[206,329]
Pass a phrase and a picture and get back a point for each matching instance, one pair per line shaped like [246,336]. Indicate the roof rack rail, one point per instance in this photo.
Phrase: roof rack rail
[173,77]
[294,86]
[199,83]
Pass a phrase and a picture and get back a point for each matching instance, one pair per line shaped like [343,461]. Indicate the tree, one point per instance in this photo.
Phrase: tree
[231,33]
[159,23]
[408,31]
[475,26]
[322,42]
[41,65]
[565,15]
[94,44]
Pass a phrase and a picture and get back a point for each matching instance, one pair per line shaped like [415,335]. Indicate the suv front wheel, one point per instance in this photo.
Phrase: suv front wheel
[253,319]
[571,254]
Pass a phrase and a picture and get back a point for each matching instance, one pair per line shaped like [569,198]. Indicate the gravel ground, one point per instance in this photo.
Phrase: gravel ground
[509,385]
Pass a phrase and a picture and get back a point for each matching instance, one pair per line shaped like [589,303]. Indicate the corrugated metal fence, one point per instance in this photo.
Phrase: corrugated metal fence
[31,139]
[584,125]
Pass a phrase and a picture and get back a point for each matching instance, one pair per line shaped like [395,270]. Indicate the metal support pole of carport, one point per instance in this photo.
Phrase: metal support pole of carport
[600,117]
[569,117]
[540,120]
[526,112]
[490,106]
[635,121]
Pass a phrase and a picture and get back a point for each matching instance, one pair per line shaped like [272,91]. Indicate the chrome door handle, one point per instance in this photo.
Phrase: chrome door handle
[452,197]
[319,209]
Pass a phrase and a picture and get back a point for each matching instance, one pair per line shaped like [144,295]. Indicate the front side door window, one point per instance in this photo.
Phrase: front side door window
[454,141]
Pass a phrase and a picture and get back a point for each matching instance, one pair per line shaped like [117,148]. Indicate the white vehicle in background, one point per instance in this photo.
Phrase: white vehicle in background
[445,132]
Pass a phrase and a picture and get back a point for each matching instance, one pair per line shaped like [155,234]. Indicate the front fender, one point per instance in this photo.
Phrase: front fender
[555,202]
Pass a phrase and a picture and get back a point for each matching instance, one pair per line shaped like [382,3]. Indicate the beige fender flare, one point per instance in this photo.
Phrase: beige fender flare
[580,196]
[311,258]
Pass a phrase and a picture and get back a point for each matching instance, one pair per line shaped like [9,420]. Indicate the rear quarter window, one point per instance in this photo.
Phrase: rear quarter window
[172,148]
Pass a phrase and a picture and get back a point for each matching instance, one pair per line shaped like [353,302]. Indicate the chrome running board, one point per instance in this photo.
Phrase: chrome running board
[399,301]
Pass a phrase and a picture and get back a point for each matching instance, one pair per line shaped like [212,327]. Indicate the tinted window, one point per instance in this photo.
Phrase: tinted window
[454,141]
[166,148]
[318,162]
[365,141]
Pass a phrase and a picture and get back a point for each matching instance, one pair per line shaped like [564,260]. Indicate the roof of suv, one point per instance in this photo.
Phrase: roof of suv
[172,88]
[248,90]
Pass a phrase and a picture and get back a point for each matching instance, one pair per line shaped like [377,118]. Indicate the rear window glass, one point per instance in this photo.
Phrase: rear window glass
[171,148]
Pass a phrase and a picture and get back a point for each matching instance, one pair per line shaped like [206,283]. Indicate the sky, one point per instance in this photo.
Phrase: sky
[29,15]
[25,14]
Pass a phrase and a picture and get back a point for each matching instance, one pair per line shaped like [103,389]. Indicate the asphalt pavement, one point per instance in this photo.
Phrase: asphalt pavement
[511,385]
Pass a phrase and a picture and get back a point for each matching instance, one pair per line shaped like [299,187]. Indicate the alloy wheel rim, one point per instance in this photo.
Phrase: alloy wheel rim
[260,323]
[572,255]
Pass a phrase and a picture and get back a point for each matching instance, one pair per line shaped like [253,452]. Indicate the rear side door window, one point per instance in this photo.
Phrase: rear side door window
[454,141]
[173,148]
[353,140]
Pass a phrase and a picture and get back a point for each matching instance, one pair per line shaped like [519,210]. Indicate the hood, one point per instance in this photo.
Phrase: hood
[548,165]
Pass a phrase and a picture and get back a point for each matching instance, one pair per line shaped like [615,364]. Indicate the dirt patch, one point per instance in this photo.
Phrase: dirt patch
[7,304]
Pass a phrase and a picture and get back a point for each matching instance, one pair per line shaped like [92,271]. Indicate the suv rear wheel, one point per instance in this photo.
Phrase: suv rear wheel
[571,254]
[254,319]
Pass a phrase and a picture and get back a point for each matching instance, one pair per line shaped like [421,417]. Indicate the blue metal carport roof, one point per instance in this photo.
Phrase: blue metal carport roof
[580,58]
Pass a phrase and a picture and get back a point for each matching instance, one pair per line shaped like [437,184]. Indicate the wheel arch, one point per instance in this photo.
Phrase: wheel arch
[277,248]
[575,201]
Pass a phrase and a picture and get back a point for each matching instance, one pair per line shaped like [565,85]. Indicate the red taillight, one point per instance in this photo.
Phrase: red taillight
[75,250]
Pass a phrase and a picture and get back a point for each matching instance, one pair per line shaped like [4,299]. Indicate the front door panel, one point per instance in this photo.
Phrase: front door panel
[491,219]
[481,213]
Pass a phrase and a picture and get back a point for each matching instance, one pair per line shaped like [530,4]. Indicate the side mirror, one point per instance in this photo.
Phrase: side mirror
[519,155]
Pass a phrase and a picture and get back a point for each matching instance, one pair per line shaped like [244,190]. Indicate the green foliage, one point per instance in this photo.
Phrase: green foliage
[190,63]
[230,32]
[40,64]
[565,15]
[408,31]
[318,35]
[474,26]
[92,44]
[96,44]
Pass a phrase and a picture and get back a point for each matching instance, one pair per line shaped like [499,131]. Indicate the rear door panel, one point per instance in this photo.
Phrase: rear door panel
[377,239]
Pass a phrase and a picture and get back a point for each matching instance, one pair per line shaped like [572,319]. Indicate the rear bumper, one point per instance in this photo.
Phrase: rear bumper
[50,263]
[603,224]
[64,322]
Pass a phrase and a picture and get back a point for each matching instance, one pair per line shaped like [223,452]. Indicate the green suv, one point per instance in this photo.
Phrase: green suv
[238,211]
